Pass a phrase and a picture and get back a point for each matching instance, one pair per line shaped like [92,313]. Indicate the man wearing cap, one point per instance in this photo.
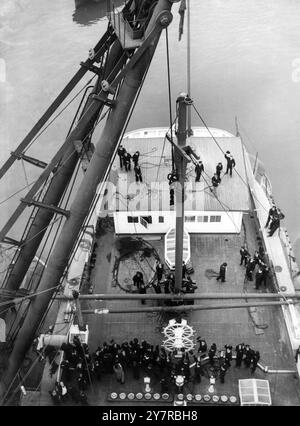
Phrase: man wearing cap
[219,168]
[198,170]
[230,163]
[244,255]
[222,272]
[121,152]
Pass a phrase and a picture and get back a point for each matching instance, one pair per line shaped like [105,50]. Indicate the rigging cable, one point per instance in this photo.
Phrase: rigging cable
[58,114]
[169,93]
[207,128]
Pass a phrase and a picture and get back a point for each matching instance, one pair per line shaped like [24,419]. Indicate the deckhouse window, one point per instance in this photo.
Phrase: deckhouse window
[202,218]
[148,219]
[215,218]
[132,219]
[190,218]
[161,219]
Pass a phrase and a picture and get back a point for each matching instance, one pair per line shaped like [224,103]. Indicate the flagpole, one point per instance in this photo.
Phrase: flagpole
[189,108]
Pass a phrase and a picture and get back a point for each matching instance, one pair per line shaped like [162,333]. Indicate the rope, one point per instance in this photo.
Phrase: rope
[207,128]
[169,92]
[58,114]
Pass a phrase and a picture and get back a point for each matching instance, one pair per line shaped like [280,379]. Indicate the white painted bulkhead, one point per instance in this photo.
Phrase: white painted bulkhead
[203,222]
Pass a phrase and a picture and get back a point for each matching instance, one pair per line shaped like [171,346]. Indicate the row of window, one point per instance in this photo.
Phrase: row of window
[148,219]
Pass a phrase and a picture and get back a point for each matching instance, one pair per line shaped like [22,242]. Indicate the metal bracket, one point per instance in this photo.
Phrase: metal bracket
[30,160]
[52,208]
[11,241]
[92,68]
[179,149]
[108,102]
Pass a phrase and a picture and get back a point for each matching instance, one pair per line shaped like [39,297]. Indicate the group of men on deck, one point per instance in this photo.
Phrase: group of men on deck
[168,283]
[216,179]
[244,353]
[256,262]
[125,160]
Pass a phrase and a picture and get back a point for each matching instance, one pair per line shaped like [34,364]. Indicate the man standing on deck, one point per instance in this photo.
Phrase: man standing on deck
[215,183]
[244,255]
[138,173]
[250,268]
[239,354]
[272,213]
[219,168]
[211,353]
[198,170]
[142,290]
[159,271]
[230,163]
[223,370]
[127,161]
[121,152]
[258,278]
[255,358]
[275,223]
[222,272]
[135,158]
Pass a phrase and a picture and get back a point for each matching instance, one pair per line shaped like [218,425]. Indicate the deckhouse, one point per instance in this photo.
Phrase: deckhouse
[144,208]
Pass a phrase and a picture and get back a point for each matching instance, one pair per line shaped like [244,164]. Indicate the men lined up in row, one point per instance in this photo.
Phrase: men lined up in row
[125,160]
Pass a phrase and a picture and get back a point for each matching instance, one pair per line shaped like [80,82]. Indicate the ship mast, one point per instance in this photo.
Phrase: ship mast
[180,162]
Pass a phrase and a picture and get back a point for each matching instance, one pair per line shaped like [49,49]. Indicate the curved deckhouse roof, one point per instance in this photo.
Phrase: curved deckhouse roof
[155,162]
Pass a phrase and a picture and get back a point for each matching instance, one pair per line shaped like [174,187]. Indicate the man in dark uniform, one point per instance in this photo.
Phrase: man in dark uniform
[156,287]
[138,173]
[121,152]
[183,269]
[202,345]
[228,355]
[198,370]
[127,161]
[159,271]
[223,370]
[230,163]
[272,212]
[275,223]
[215,182]
[239,354]
[255,358]
[244,255]
[222,273]
[137,279]
[248,352]
[142,290]
[211,353]
[250,268]
[219,168]
[199,168]
[135,158]
[258,278]
[189,287]
[265,276]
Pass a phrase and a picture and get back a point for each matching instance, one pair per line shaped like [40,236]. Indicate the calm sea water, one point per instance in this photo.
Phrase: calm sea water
[245,63]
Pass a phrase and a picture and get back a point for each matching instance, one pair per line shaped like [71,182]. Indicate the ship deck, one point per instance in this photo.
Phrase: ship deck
[263,328]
